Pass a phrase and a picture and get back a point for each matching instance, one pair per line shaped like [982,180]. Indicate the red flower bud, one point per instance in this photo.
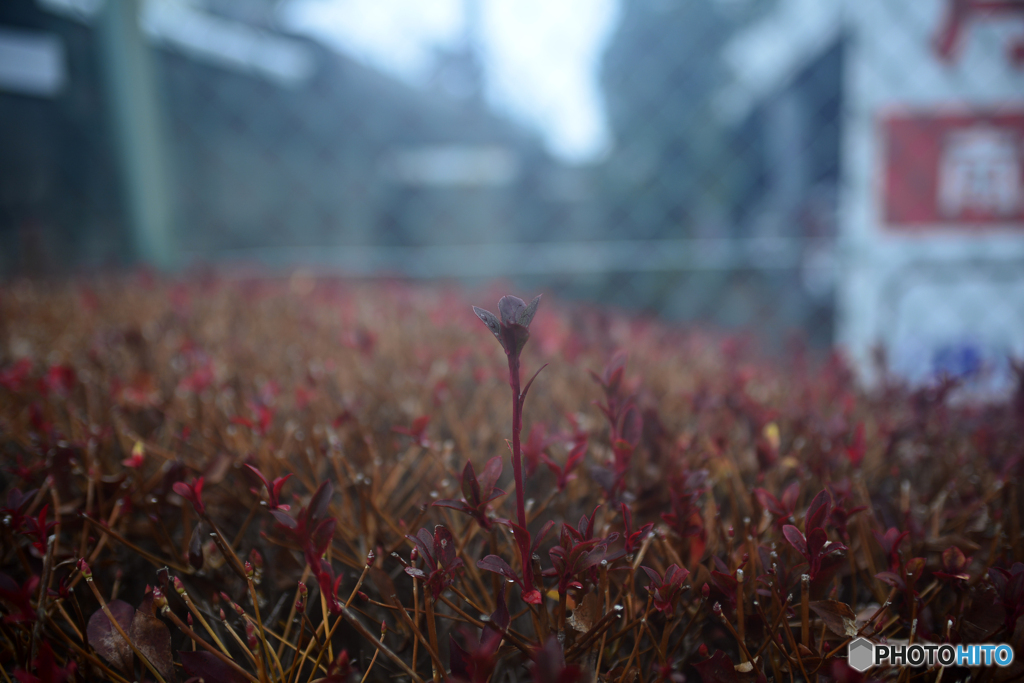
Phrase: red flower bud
[159,601]
[250,637]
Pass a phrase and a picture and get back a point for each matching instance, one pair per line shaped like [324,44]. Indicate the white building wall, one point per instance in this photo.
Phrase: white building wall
[927,293]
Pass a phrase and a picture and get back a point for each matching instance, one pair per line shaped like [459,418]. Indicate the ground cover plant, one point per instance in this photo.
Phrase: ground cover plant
[309,480]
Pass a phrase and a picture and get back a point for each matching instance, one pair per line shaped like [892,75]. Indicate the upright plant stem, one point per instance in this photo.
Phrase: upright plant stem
[517,468]
[517,427]
[428,600]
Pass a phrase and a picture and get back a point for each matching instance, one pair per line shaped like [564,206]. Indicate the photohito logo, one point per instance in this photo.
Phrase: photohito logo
[862,654]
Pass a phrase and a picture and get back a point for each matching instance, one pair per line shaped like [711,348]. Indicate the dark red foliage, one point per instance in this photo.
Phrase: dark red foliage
[15,376]
[193,493]
[39,529]
[527,547]
[301,529]
[60,380]
[477,494]
[823,556]
[15,507]
[578,551]
[209,668]
[782,509]
[46,669]
[549,664]
[624,420]
[685,516]
[666,589]
[107,640]
[261,420]
[890,542]
[565,473]
[273,489]
[535,447]
[20,597]
[417,431]
[1009,585]
[633,537]
[328,582]
[841,515]
[475,662]
[753,466]
[341,669]
[954,565]
[440,562]
[611,382]
[855,451]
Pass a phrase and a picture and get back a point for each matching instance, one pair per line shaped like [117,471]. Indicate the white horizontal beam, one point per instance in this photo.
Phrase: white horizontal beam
[538,258]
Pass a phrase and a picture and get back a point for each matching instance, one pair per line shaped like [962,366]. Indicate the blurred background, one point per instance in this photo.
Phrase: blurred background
[849,171]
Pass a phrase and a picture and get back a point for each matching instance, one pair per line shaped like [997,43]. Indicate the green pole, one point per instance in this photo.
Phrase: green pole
[133,105]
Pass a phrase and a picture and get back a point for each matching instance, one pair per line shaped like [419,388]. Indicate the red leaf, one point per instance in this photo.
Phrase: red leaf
[632,427]
[795,538]
[532,597]
[151,637]
[321,538]
[818,511]
[277,485]
[816,540]
[493,563]
[837,616]
[320,503]
[452,505]
[260,475]
[284,518]
[444,546]
[790,495]
[470,485]
[204,665]
[106,640]
[489,477]
[857,448]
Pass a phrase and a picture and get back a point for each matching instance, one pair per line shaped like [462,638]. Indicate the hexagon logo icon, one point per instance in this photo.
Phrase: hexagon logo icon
[861,654]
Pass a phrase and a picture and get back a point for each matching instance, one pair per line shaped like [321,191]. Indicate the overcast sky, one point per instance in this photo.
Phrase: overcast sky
[541,57]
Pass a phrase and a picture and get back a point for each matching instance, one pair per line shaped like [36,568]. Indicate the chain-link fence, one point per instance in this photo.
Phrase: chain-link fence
[774,164]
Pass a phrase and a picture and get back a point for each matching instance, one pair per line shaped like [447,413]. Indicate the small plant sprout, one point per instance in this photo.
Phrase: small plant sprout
[666,589]
[439,559]
[193,493]
[477,493]
[512,331]
[273,489]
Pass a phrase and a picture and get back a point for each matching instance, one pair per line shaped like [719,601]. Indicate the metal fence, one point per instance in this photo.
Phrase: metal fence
[750,143]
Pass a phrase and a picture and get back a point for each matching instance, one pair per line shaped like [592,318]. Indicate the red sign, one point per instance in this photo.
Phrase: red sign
[961,13]
[954,171]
